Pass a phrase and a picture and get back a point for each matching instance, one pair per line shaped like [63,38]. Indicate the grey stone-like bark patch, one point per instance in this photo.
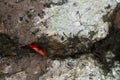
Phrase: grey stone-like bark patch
[83,68]
[81,16]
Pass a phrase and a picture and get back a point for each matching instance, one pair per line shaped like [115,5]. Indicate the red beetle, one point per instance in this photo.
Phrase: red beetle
[37,49]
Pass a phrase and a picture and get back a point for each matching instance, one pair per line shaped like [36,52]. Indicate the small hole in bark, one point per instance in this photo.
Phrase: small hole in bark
[21,18]
[29,16]
[62,38]
[47,5]
[5,3]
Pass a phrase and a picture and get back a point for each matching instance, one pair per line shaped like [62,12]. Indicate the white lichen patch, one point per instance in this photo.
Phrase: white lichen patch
[83,16]
[83,68]
[118,1]
[17,76]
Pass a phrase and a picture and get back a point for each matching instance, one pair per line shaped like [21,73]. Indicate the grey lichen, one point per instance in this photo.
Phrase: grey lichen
[79,16]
